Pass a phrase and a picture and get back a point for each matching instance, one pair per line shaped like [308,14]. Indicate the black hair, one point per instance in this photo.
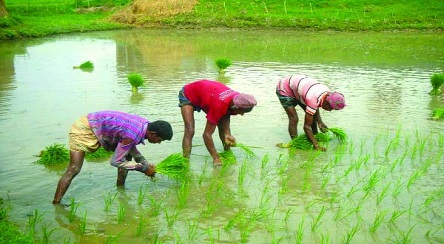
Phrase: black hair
[162,129]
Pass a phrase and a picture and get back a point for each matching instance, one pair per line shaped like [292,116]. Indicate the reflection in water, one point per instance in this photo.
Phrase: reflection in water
[384,77]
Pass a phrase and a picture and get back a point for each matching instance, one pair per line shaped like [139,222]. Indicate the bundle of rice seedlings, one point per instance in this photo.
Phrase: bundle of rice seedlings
[174,167]
[339,134]
[99,154]
[437,80]
[246,149]
[135,81]
[438,113]
[88,65]
[222,64]
[227,157]
[54,154]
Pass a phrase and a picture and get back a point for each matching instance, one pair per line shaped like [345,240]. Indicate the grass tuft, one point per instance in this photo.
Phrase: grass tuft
[101,153]
[86,66]
[438,113]
[222,64]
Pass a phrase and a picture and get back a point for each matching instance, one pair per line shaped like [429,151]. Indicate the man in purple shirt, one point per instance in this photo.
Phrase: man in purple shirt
[114,131]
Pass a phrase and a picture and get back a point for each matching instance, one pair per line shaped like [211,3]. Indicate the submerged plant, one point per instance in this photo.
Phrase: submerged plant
[135,80]
[174,166]
[88,65]
[437,80]
[54,154]
[222,64]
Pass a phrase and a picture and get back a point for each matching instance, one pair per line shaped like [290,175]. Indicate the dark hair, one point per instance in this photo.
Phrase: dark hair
[162,129]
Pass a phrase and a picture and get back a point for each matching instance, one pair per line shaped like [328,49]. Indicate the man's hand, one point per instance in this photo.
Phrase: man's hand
[217,162]
[150,171]
[230,140]
[317,147]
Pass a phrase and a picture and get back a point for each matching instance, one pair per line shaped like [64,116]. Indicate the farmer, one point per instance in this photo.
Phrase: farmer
[114,131]
[310,95]
[219,102]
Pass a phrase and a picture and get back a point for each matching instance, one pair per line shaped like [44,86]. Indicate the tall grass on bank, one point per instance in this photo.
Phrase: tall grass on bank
[44,17]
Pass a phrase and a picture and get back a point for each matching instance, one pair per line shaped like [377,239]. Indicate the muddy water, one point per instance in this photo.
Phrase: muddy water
[385,78]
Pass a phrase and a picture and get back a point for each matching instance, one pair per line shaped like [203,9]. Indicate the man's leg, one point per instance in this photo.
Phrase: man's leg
[75,165]
[188,119]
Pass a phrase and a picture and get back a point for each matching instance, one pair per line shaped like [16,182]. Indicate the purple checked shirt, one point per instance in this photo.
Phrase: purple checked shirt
[110,127]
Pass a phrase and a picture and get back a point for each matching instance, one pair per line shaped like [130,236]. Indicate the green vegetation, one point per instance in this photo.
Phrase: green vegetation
[11,233]
[88,65]
[438,113]
[101,153]
[302,141]
[135,80]
[54,154]
[222,64]
[174,166]
[437,80]
[47,17]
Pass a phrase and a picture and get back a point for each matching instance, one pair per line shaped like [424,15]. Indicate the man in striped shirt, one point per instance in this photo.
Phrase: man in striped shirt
[114,131]
[310,95]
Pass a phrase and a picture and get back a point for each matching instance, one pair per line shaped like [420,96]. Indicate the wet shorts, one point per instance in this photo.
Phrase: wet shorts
[184,101]
[81,136]
[288,102]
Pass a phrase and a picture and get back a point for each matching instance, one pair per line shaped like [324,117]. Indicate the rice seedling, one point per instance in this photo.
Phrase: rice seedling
[182,194]
[156,205]
[377,221]
[73,207]
[438,113]
[242,173]
[86,66]
[192,230]
[141,225]
[300,231]
[316,221]
[174,167]
[222,64]
[121,213]
[302,142]
[170,218]
[46,234]
[82,224]
[109,199]
[396,214]
[382,194]
[398,188]
[33,219]
[53,154]
[339,134]
[246,149]
[437,80]
[227,158]
[351,233]
[99,154]
[135,80]
[141,194]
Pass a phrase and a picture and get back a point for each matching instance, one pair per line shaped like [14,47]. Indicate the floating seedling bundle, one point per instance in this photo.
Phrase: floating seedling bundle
[54,154]
[87,66]
[222,64]
[302,141]
[174,166]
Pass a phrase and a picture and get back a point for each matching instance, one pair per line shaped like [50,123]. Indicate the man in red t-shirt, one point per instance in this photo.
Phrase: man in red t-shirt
[219,102]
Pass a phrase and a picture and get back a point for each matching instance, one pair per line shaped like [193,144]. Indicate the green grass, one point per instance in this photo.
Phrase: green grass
[437,80]
[100,154]
[135,80]
[48,17]
[174,166]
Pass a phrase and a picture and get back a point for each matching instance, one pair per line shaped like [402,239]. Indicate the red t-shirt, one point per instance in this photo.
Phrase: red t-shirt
[213,97]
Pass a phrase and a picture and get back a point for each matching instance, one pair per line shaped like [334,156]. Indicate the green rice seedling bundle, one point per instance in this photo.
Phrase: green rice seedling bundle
[339,134]
[227,157]
[135,80]
[54,154]
[438,113]
[437,80]
[88,65]
[222,64]
[101,153]
[174,166]
[302,142]
[245,148]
